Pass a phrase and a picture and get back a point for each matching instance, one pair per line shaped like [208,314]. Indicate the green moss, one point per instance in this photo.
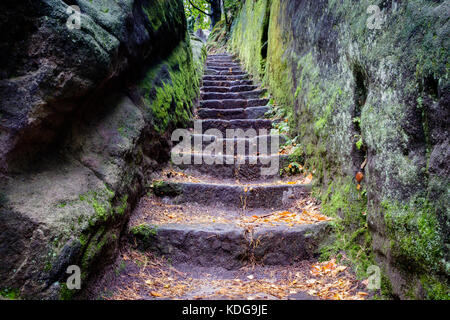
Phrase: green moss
[278,74]
[10,293]
[171,103]
[435,289]
[65,293]
[144,231]
[355,104]
[94,247]
[100,200]
[123,206]
[386,286]
[164,189]
[159,12]
[248,36]
[217,40]
[347,206]
[415,234]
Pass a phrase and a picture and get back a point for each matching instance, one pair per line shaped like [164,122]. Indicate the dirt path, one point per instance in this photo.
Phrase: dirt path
[225,231]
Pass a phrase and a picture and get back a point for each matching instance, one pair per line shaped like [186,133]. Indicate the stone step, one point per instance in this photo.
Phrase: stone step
[227,83]
[229,246]
[219,55]
[268,196]
[222,64]
[232,95]
[208,283]
[215,72]
[242,146]
[227,89]
[228,114]
[233,103]
[224,243]
[247,168]
[225,77]
[244,124]
[221,68]
[207,140]
[222,59]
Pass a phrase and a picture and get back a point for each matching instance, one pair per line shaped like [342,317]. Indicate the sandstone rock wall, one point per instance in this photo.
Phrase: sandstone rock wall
[356,95]
[85,117]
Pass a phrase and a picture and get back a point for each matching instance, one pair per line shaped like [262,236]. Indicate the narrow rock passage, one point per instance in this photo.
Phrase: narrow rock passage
[224,231]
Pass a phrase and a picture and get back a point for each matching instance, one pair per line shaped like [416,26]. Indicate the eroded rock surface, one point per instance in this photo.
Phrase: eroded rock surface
[371,91]
[84,118]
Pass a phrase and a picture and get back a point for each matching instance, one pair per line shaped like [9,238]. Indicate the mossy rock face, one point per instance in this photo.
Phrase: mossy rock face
[353,93]
[70,204]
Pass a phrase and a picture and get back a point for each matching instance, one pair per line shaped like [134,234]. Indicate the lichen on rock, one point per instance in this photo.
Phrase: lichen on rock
[355,95]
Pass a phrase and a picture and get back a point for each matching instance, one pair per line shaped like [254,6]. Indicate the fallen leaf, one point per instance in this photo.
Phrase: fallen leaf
[155,294]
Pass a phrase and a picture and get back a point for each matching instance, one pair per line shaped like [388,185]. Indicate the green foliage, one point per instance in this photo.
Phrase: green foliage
[9,293]
[196,18]
[144,231]
[435,289]
[292,168]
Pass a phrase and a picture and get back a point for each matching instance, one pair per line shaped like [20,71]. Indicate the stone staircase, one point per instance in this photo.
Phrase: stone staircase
[209,216]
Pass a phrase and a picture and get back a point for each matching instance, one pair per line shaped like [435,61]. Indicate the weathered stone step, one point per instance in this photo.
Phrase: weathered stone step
[239,88]
[244,168]
[228,69]
[222,58]
[233,103]
[221,55]
[224,72]
[220,61]
[232,95]
[244,124]
[226,83]
[239,113]
[188,281]
[222,64]
[206,140]
[272,196]
[225,77]
[227,245]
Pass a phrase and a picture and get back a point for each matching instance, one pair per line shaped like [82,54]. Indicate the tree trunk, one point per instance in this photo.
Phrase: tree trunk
[215,12]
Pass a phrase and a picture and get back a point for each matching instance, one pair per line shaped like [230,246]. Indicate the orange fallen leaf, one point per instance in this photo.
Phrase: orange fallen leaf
[155,294]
